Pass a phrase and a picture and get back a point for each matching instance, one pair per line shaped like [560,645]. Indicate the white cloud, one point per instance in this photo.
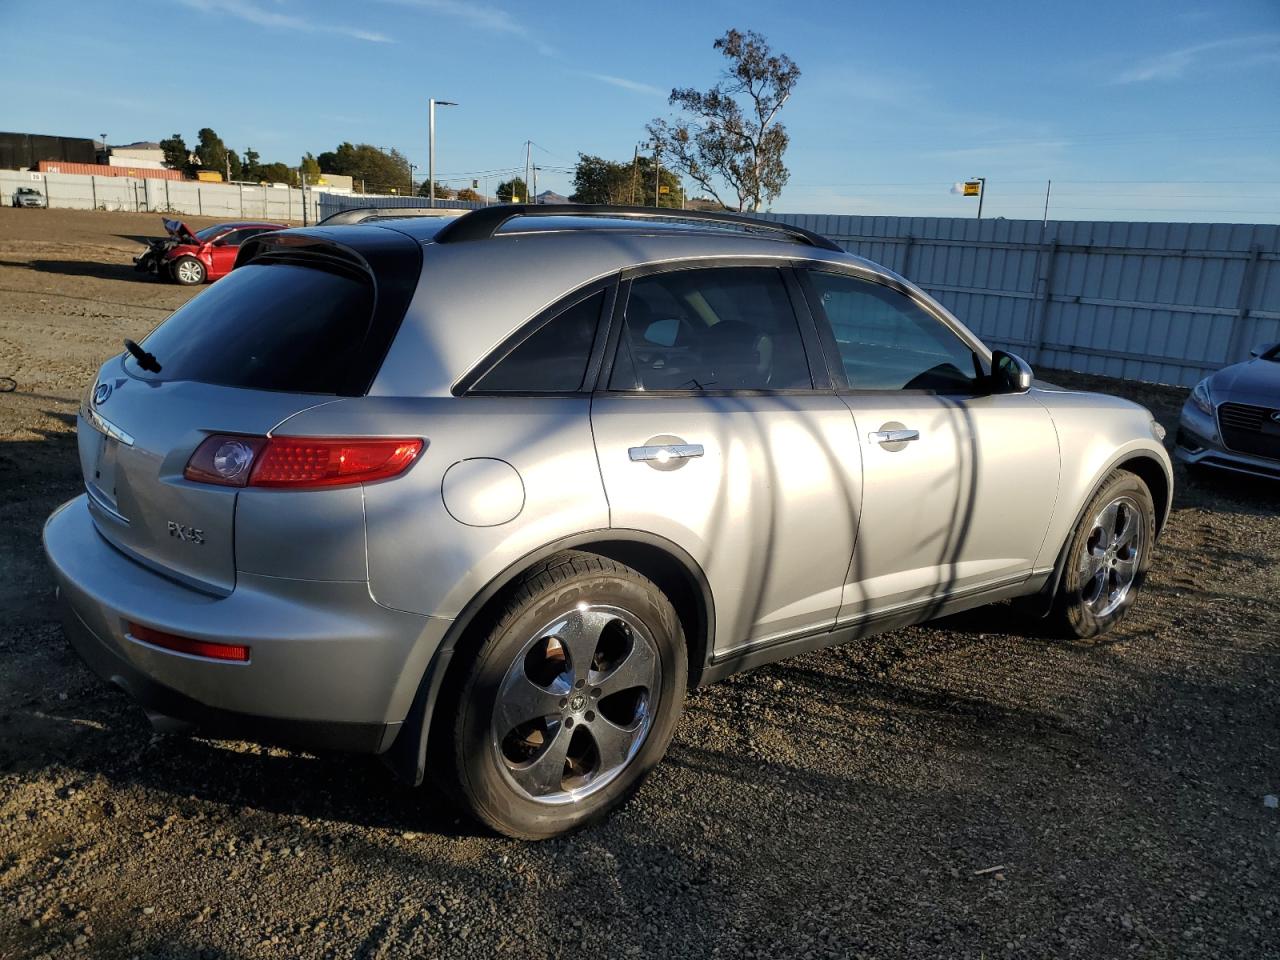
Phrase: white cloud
[248,11]
[480,17]
[1172,64]
[633,85]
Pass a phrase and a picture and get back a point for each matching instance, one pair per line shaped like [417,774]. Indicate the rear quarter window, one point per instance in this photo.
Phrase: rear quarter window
[268,326]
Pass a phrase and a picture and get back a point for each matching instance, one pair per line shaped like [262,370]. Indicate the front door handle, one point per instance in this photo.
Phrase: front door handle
[666,452]
[893,436]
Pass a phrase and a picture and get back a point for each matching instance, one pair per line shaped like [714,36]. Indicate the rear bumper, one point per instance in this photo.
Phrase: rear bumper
[329,668]
[1199,444]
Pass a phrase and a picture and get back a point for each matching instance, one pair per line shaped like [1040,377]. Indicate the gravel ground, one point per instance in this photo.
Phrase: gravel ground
[962,790]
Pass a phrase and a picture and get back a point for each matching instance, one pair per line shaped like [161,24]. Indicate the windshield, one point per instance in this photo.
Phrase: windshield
[208,233]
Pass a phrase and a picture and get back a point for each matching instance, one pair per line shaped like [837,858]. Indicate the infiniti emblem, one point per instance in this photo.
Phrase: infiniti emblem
[1275,416]
[101,393]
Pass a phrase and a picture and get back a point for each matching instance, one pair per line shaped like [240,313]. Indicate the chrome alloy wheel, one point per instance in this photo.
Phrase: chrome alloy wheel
[1109,564]
[189,271]
[576,704]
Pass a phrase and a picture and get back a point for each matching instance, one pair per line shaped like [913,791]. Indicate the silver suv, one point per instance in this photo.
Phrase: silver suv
[505,486]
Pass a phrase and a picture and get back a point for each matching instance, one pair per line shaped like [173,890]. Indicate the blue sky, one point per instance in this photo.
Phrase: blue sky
[1136,110]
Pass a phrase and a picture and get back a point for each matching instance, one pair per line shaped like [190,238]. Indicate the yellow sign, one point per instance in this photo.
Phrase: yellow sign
[664,189]
[972,188]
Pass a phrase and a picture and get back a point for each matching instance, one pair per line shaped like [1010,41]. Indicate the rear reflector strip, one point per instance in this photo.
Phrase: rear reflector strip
[235,652]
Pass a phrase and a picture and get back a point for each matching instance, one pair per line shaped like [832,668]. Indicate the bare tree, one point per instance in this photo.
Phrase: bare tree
[732,134]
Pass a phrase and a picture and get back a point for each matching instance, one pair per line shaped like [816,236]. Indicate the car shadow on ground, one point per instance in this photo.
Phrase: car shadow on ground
[86,268]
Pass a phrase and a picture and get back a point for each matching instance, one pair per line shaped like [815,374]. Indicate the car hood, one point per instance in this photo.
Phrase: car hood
[1255,381]
[180,232]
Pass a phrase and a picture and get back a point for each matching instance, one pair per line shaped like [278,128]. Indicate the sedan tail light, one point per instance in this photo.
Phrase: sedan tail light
[299,462]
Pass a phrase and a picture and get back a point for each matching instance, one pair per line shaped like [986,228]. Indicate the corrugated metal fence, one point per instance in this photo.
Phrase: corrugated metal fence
[1161,302]
[333,203]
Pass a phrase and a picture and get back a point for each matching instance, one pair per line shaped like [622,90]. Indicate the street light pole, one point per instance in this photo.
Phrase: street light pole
[412,167]
[982,193]
[431,147]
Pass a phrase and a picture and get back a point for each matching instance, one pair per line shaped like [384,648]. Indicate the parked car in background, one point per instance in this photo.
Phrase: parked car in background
[206,255]
[1231,421]
[29,197]
[505,485]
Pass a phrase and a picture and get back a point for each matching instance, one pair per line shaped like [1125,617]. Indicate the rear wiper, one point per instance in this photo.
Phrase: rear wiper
[146,360]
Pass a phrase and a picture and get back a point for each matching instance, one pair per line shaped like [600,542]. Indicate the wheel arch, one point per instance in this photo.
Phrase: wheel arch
[1150,470]
[668,565]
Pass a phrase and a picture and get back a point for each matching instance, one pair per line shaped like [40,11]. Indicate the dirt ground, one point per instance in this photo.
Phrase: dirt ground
[961,790]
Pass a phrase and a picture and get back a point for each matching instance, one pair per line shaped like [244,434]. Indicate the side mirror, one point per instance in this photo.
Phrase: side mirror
[1009,373]
[1263,349]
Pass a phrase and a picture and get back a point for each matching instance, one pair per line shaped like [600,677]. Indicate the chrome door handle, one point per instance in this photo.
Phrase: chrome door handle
[893,436]
[666,452]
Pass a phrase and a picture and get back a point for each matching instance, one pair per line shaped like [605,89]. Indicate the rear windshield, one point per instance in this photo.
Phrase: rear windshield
[274,326]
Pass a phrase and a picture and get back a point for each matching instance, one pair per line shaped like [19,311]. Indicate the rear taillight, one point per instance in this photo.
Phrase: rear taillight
[234,652]
[298,462]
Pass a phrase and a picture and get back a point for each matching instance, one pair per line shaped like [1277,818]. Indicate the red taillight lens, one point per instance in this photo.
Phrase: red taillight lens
[235,652]
[310,462]
[298,462]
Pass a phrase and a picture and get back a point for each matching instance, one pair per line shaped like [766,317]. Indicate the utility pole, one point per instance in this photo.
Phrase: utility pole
[635,167]
[431,147]
[982,193]
[302,179]
[533,196]
[1047,188]
[657,171]
[528,162]
[412,167]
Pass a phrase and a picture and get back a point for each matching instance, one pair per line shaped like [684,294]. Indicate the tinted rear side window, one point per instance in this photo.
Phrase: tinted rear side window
[277,326]
[551,360]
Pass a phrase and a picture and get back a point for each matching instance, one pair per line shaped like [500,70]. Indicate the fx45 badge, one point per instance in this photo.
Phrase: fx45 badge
[183,532]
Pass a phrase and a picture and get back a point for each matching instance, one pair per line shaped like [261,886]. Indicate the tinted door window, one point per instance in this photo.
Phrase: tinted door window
[266,327]
[724,328]
[551,360]
[887,341]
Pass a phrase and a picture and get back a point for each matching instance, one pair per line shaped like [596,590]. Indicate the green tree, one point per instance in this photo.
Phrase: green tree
[514,188]
[251,168]
[309,168]
[442,192]
[212,152]
[175,152]
[275,173]
[378,171]
[596,180]
[731,135]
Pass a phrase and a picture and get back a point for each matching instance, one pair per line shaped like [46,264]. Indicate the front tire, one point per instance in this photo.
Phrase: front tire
[570,700]
[188,271]
[1108,558]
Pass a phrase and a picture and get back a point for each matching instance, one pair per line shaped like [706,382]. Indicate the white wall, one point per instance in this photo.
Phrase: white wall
[229,200]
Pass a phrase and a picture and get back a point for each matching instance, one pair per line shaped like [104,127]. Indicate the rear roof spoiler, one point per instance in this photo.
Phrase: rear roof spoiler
[483,223]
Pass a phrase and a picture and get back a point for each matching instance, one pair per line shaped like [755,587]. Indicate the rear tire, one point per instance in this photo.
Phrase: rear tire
[569,700]
[1107,559]
[187,271]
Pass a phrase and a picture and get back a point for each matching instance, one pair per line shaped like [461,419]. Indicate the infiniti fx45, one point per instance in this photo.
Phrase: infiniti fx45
[486,496]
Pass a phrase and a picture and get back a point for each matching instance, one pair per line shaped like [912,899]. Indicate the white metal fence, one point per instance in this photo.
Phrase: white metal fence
[1160,302]
[145,195]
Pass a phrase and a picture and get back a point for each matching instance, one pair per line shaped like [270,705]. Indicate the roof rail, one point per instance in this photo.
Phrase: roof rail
[361,214]
[484,222]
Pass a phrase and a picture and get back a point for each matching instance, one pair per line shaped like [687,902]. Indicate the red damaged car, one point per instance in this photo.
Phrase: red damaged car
[190,258]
